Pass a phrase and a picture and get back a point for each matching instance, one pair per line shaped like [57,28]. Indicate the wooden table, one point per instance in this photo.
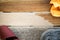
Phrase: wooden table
[24,7]
[54,20]
[30,7]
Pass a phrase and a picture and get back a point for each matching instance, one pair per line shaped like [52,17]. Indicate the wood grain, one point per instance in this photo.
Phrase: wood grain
[54,20]
[24,7]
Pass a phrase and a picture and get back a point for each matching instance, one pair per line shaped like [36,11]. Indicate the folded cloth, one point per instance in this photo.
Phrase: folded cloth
[56,3]
[55,11]
[6,33]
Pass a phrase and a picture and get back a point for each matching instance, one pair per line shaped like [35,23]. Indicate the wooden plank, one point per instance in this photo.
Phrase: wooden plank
[24,7]
[39,1]
[54,20]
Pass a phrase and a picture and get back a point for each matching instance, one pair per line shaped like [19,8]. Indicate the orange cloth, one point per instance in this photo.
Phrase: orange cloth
[55,12]
[56,3]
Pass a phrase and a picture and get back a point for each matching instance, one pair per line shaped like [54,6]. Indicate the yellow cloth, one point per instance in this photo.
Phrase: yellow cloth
[56,3]
[55,12]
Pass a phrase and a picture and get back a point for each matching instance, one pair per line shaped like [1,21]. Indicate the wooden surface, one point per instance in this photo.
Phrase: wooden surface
[24,7]
[30,7]
[54,20]
[32,1]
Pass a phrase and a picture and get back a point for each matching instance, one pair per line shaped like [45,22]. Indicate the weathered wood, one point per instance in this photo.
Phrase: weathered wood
[41,1]
[24,7]
[54,20]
